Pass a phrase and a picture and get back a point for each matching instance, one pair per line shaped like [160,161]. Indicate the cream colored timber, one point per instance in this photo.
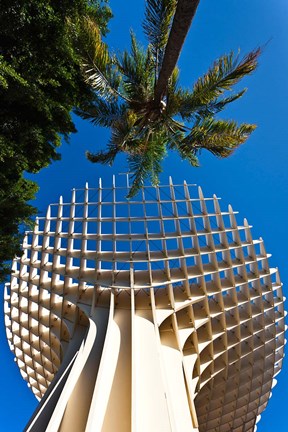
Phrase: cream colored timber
[74,409]
[149,390]
[159,313]
[111,402]
[43,413]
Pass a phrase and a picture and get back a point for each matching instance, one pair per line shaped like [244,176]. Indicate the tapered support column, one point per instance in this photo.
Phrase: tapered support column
[119,379]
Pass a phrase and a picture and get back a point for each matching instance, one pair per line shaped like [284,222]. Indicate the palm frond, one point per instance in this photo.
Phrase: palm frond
[226,72]
[147,163]
[188,155]
[220,137]
[97,63]
[218,105]
[102,112]
[136,68]
[190,107]
[175,132]
[172,100]
[131,64]
[105,158]
[122,138]
[124,133]
[157,24]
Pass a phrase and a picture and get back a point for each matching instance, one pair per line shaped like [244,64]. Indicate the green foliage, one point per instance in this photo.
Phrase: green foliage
[157,24]
[97,66]
[100,12]
[225,73]
[15,215]
[41,81]
[141,127]
[220,137]
[7,72]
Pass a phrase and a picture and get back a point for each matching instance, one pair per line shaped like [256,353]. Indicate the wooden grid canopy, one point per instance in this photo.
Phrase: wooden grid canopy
[154,314]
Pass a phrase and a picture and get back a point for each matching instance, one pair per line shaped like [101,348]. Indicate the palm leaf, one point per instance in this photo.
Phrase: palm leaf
[97,64]
[147,163]
[102,112]
[219,104]
[190,156]
[173,94]
[157,24]
[105,158]
[125,134]
[220,137]
[189,106]
[136,68]
[122,138]
[226,72]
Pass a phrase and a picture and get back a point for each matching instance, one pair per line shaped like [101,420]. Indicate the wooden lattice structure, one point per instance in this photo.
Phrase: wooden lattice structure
[155,314]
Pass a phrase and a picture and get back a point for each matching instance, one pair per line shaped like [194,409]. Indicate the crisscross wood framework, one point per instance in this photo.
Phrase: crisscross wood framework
[199,311]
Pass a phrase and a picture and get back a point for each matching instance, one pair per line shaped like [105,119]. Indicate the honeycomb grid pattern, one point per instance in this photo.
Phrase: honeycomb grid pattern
[174,252]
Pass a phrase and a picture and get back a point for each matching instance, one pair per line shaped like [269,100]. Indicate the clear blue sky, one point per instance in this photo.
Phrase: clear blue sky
[254,180]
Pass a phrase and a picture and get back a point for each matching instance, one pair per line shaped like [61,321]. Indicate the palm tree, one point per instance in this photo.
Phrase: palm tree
[138,96]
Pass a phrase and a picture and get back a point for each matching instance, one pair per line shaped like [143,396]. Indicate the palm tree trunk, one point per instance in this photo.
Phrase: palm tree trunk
[184,14]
